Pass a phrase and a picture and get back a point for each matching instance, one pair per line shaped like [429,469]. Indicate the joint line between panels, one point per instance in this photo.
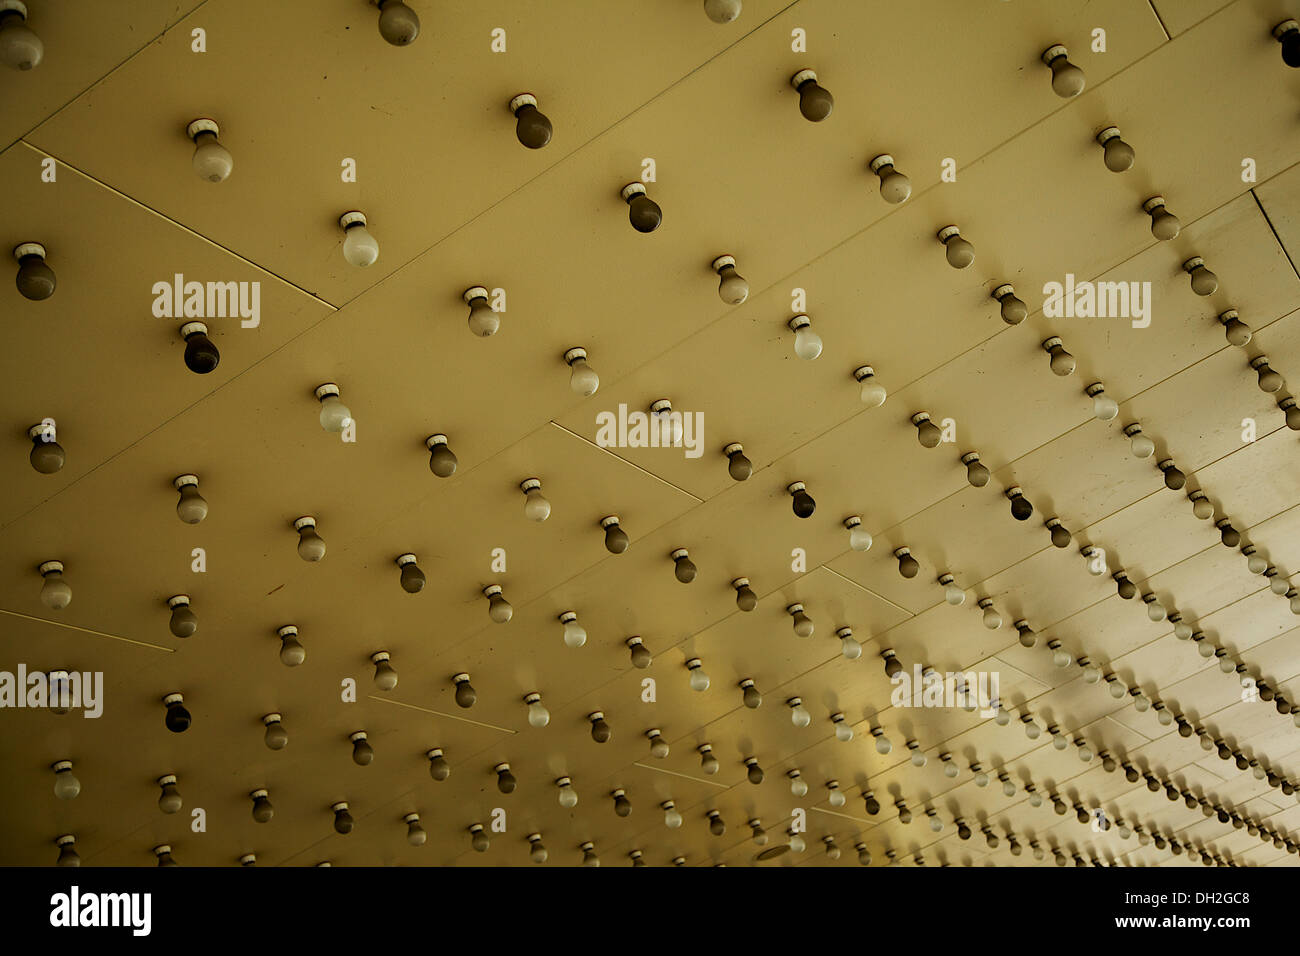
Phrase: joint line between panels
[87,630]
[684,776]
[1160,20]
[650,474]
[1281,245]
[439,713]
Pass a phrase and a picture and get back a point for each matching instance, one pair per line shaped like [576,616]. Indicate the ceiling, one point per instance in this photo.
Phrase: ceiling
[1195,86]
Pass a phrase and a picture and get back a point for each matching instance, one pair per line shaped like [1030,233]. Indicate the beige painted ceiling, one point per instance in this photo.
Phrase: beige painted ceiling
[455,201]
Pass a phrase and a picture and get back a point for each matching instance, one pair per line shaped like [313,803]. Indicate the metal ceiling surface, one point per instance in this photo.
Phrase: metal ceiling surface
[299,88]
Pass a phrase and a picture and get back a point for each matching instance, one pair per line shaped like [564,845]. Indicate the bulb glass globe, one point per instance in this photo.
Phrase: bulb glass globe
[575,635]
[807,344]
[359,247]
[538,716]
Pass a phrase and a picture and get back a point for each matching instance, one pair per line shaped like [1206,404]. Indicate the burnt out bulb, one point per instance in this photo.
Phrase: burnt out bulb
[311,547]
[732,287]
[398,23]
[532,127]
[177,718]
[183,621]
[385,675]
[35,279]
[483,319]
[263,811]
[439,769]
[870,391]
[1164,224]
[212,161]
[927,432]
[1021,507]
[977,473]
[642,211]
[641,656]
[815,102]
[894,186]
[56,594]
[360,248]
[1174,479]
[801,502]
[343,821]
[959,252]
[750,694]
[738,466]
[807,343]
[1062,362]
[684,568]
[292,653]
[1287,33]
[536,506]
[1204,282]
[47,455]
[908,566]
[616,540]
[1118,155]
[465,694]
[276,737]
[803,624]
[362,753]
[1067,79]
[1104,408]
[1061,537]
[20,47]
[1269,380]
[415,834]
[410,577]
[442,460]
[583,379]
[201,356]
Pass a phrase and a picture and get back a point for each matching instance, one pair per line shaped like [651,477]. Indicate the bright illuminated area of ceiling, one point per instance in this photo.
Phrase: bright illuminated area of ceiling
[517,432]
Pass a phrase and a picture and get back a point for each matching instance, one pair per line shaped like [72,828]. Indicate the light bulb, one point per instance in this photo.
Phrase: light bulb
[415,834]
[201,356]
[672,819]
[1118,155]
[807,343]
[385,675]
[981,778]
[184,622]
[398,23]
[732,287]
[1013,309]
[536,507]
[668,424]
[362,753]
[500,611]
[803,625]
[359,247]
[843,732]
[311,546]
[1061,537]
[1104,408]
[575,635]
[641,656]
[411,577]
[716,826]
[1142,446]
[958,251]
[263,810]
[1269,380]
[850,649]
[66,844]
[859,537]
[799,716]
[1032,730]
[20,49]
[1155,610]
[1067,79]
[439,769]
[952,592]
[442,460]
[66,784]
[532,127]
[1164,224]
[483,319]
[169,801]
[601,732]
[992,619]
[568,796]
[908,566]
[797,843]
[536,851]
[276,737]
[798,786]
[699,679]
[708,762]
[977,475]
[950,769]
[506,781]
[835,796]
[1204,282]
[1060,657]
[191,508]
[927,432]
[56,594]
[583,379]
[815,102]
[751,697]
[738,466]
[883,744]
[1202,507]
[1236,331]
[478,839]
[642,211]
[538,715]
[212,161]
[1255,562]
[871,392]
[658,746]
[1117,689]
[894,186]
[722,11]
[465,693]
[292,653]
[1062,362]
[919,758]
[683,567]
[47,455]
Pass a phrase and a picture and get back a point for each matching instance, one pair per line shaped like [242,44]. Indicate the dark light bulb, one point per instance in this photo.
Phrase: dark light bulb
[532,127]
[201,356]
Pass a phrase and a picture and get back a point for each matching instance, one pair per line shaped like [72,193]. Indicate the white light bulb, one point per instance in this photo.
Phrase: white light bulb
[699,679]
[66,786]
[1061,657]
[798,787]
[836,798]
[872,393]
[799,716]
[1279,585]
[883,746]
[1059,741]
[981,779]
[1091,674]
[1143,447]
[672,819]
[1165,717]
[950,769]
[954,595]
[538,716]
[568,798]
[1256,564]
[859,538]
[56,594]
[992,619]
[575,635]
[843,732]
[536,507]
[1155,611]
[919,759]
[850,648]
[212,161]
[334,415]
[797,844]
[807,343]
[1104,408]
[583,379]
[359,247]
